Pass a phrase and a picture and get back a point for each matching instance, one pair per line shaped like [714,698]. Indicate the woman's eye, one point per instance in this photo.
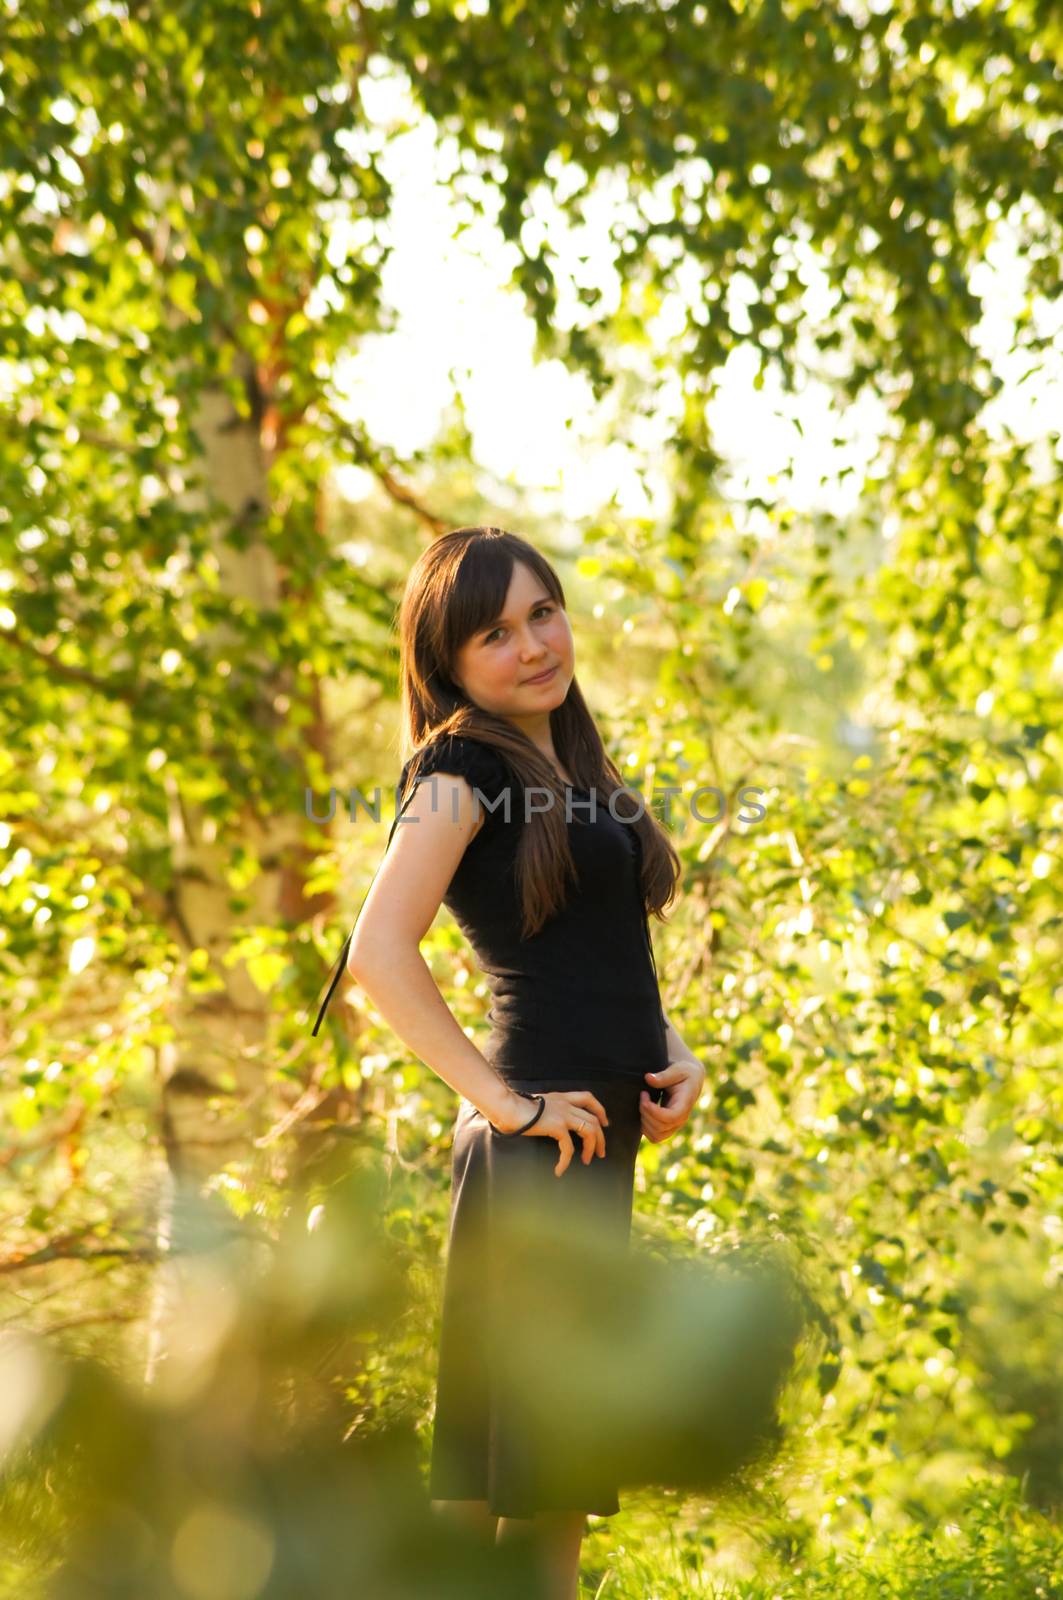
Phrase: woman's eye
[538,610]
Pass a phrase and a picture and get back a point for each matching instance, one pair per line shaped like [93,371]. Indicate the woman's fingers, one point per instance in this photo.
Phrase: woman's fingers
[655,1134]
[588,1127]
[650,1108]
[673,1115]
[676,1073]
[657,1121]
[580,1125]
[589,1130]
[652,1130]
[583,1097]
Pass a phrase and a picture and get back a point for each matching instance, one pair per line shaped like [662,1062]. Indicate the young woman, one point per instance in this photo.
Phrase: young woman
[551,867]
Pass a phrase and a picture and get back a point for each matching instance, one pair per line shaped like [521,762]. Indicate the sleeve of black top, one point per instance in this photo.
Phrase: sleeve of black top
[479,764]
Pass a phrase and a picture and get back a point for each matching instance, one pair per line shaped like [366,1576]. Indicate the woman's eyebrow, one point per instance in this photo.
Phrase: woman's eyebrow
[536,602]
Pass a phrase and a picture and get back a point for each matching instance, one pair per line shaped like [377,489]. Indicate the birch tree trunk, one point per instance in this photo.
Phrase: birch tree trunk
[213,1076]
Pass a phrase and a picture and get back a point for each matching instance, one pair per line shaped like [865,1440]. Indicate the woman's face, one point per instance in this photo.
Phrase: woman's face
[494,665]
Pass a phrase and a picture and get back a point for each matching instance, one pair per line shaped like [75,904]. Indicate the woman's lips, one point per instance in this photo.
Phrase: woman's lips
[544,677]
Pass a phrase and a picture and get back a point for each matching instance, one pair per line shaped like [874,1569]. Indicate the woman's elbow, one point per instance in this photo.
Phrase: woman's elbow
[358,959]
[371,954]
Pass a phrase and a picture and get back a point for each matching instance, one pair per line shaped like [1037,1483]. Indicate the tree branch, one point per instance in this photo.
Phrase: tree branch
[70,1250]
[398,492]
[112,688]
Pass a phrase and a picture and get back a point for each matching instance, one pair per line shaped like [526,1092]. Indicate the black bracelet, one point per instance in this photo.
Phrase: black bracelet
[514,1132]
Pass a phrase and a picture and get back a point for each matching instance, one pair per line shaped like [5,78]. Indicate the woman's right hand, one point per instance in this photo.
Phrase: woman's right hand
[567,1112]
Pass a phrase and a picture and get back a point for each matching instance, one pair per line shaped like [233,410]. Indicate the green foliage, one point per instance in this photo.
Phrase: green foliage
[868,969]
[231,1475]
[996,1548]
[234,1472]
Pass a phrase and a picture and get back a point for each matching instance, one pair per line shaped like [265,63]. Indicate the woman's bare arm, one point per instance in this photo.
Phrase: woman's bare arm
[385,956]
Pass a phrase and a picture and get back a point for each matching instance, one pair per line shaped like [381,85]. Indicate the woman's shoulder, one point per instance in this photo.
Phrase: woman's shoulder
[460,755]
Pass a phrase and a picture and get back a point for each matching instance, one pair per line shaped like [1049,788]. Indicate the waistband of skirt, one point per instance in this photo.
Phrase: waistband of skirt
[619,1089]
[572,1077]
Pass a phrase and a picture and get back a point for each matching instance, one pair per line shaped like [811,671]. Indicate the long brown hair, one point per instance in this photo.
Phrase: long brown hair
[457,586]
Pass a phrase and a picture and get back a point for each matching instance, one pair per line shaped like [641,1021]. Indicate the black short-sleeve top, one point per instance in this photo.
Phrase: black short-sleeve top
[581,995]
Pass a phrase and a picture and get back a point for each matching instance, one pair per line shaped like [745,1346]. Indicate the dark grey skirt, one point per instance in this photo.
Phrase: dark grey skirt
[483,1446]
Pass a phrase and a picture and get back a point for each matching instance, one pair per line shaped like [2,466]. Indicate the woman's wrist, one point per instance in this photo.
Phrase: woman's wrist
[508,1110]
